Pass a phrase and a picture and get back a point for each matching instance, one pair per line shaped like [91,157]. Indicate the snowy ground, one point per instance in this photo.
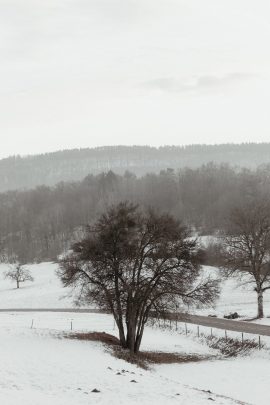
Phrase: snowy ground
[45,292]
[235,297]
[244,379]
[38,368]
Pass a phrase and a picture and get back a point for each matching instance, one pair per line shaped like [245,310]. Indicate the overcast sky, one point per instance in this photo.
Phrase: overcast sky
[83,73]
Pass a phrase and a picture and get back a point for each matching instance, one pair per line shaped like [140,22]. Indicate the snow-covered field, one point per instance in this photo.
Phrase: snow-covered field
[235,297]
[45,292]
[39,367]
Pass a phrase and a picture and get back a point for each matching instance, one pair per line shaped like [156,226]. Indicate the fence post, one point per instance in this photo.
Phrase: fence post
[211,332]
[260,346]
[32,324]
[186,328]
[176,324]
[226,336]
[242,338]
[198,330]
[71,325]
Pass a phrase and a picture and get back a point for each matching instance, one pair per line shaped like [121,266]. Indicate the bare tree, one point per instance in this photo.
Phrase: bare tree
[247,245]
[135,264]
[18,273]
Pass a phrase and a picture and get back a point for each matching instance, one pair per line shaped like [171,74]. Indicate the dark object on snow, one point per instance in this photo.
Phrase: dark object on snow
[212,316]
[133,381]
[95,391]
[232,316]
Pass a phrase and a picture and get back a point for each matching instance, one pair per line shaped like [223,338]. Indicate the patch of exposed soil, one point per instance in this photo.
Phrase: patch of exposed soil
[146,359]
[142,359]
[102,337]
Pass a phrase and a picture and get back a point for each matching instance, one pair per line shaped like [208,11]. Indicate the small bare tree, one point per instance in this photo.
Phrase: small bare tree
[18,273]
[135,264]
[247,246]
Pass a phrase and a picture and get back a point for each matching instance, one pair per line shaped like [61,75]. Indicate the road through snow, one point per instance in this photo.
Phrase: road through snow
[218,323]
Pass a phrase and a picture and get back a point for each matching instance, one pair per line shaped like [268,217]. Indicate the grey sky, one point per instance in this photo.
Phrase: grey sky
[79,73]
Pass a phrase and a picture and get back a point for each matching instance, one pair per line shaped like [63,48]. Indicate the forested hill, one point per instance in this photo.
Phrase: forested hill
[51,168]
[39,224]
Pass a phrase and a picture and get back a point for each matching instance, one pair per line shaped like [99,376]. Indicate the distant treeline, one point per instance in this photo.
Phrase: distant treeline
[73,165]
[39,224]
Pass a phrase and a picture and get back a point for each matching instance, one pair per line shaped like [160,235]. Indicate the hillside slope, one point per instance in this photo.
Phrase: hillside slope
[47,292]
[48,169]
[40,367]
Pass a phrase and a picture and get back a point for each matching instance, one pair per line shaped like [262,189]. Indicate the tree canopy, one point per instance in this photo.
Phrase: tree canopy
[135,264]
[246,250]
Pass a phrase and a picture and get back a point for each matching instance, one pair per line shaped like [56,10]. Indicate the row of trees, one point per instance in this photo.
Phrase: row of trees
[39,224]
[137,263]
[73,165]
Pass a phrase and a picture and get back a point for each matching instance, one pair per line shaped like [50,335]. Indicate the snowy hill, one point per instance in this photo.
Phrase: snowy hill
[73,165]
[45,292]
[235,296]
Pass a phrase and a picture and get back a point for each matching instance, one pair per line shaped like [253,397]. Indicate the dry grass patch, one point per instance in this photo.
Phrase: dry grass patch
[146,359]
[233,347]
[102,337]
[143,359]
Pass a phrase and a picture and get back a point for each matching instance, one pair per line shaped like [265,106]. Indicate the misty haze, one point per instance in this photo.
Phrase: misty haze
[134,202]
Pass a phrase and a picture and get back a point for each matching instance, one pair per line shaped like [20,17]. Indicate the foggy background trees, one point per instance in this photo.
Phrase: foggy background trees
[39,224]
[73,165]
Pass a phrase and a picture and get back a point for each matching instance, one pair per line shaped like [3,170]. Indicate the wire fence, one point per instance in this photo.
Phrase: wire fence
[88,322]
[62,323]
[199,331]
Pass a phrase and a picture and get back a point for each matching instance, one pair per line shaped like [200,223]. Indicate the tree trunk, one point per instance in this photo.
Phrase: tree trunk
[260,304]
[18,284]
[121,330]
[131,332]
[119,312]
[131,338]
[139,340]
